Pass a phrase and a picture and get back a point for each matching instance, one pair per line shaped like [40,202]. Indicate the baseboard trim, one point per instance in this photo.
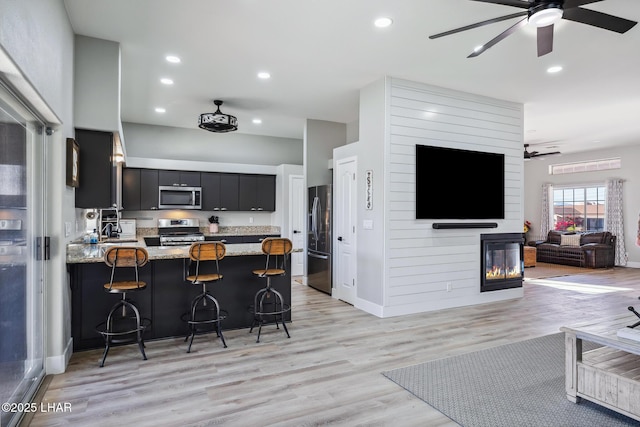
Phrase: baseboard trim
[58,364]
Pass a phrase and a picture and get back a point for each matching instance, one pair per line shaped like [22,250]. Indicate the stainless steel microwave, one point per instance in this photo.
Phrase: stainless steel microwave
[173,197]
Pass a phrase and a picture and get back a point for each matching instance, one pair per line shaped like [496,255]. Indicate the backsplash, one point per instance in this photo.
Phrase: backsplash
[225,218]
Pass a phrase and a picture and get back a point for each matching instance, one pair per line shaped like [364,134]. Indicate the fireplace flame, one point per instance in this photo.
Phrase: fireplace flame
[497,272]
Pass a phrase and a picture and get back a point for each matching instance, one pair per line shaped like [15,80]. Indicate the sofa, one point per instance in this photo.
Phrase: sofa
[588,249]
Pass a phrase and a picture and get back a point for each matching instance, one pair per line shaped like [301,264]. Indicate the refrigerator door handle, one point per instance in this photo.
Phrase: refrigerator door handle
[314,255]
[314,217]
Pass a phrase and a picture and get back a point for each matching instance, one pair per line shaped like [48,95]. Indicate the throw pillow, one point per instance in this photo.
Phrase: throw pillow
[570,240]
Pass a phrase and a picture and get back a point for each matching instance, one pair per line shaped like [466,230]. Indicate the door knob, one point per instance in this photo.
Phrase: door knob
[296,231]
[340,238]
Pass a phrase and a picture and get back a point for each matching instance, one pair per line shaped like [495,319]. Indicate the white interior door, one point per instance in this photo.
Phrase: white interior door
[297,223]
[345,230]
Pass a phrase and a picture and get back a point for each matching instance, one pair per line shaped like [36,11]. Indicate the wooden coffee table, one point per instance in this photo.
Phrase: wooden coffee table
[607,375]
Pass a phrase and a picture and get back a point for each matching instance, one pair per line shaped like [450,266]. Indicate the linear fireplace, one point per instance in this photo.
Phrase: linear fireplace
[502,265]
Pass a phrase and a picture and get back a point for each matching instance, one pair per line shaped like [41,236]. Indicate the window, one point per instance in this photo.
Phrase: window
[579,208]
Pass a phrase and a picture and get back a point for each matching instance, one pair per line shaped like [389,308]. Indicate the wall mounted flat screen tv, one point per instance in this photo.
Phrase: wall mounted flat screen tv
[458,184]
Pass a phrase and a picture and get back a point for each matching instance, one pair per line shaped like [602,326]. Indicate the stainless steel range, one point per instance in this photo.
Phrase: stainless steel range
[178,232]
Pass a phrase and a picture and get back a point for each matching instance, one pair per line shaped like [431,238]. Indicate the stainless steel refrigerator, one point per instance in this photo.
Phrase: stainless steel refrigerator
[319,239]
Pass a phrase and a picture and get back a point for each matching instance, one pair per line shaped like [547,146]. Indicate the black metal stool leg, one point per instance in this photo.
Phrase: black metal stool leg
[106,350]
[123,304]
[138,327]
[192,326]
[218,327]
[279,298]
[193,322]
[275,309]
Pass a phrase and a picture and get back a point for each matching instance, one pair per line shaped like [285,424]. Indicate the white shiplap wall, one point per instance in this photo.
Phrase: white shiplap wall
[429,269]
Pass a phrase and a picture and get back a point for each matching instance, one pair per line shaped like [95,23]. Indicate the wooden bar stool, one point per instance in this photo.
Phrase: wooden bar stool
[124,323]
[268,305]
[205,310]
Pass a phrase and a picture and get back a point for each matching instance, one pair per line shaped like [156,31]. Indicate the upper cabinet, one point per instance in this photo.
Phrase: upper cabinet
[219,191]
[97,173]
[257,193]
[179,178]
[139,189]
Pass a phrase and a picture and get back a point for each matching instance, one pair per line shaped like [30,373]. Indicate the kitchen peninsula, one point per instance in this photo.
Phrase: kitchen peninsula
[168,295]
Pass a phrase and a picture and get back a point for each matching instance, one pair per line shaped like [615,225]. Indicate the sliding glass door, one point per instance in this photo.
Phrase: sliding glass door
[22,254]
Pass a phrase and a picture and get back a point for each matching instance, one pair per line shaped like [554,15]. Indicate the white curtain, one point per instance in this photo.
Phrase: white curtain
[614,220]
[544,216]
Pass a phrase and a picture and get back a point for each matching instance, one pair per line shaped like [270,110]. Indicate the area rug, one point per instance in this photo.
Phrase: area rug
[519,384]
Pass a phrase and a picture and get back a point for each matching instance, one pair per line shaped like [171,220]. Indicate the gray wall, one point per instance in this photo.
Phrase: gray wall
[39,39]
[97,84]
[320,138]
[536,173]
[373,131]
[163,142]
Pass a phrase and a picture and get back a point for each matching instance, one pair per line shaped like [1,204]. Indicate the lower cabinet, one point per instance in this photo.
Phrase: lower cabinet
[90,303]
[167,297]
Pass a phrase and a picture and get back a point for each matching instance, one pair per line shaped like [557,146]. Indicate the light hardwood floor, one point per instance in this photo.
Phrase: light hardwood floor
[327,373]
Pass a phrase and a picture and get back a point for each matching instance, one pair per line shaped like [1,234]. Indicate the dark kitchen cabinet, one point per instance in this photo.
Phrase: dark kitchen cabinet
[166,298]
[258,238]
[257,193]
[219,191]
[131,189]
[148,189]
[90,303]
[96,172]
[139,189]
[179,178]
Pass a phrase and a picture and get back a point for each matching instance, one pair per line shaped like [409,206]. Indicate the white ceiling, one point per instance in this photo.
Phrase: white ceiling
[320,53]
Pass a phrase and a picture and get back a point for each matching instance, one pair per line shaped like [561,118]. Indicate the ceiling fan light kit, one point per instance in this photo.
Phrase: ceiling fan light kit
[218,122]
[543,14]
[551,14]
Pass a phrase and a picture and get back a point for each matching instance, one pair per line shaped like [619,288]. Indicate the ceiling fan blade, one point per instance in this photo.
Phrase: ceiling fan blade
[598,19]
[515,3]
[568,4]
[545,40]
[553,153]
[499,38]
[478,24]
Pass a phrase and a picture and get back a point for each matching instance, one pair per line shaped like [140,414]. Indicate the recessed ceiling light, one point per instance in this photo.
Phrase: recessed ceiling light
[257,121]
[160,110]
[383,22]
[264,75]
[554,69]
[173,59]
[166,81]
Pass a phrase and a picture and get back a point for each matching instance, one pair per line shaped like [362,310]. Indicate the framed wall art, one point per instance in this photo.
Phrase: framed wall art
[73,163]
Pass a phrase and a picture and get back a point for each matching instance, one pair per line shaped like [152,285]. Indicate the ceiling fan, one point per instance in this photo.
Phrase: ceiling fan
[530,155]
[543,14]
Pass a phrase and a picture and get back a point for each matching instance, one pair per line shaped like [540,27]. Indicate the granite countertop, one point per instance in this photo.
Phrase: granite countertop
[80,253]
